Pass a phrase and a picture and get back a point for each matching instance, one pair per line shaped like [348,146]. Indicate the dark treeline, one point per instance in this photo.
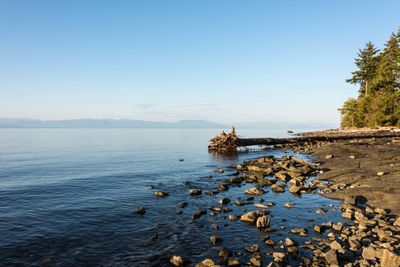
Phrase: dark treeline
[378,77]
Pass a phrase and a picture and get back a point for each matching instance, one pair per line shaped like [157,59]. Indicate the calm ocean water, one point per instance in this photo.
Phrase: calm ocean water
[67,197]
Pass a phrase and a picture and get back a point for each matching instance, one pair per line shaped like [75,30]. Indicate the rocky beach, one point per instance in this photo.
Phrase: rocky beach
[363,173]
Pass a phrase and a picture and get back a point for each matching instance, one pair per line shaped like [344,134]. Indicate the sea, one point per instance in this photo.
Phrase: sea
[68,198]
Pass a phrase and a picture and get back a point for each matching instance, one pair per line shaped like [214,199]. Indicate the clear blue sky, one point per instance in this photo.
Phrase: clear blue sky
[225,61]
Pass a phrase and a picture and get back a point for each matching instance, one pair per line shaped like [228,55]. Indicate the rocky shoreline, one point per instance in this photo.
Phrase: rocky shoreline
[369,234]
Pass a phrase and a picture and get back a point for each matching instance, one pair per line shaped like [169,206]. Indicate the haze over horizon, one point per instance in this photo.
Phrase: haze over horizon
[224,61]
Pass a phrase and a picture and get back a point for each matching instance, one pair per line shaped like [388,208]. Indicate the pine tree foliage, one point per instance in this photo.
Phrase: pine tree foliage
[378,78]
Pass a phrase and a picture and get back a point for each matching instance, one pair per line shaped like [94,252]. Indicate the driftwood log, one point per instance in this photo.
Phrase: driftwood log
[229,142]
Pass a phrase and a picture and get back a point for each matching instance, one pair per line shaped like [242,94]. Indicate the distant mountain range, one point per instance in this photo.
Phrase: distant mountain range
[104,123]
[126,123]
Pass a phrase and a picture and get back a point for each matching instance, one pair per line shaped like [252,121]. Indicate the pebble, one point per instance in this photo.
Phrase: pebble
[380,173]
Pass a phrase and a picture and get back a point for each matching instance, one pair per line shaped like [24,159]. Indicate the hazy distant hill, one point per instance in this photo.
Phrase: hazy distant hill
[105,123]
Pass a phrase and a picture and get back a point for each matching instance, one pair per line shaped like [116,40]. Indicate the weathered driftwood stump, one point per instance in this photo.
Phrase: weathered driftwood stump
[224,142]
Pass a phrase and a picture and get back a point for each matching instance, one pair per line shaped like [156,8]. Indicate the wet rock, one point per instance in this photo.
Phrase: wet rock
[215,239]
[331,236]
[320,229]
[182,204]
[271,204]
[252,248]
[224,201]
[225,253]
[177,261]
[282,175]
[380,211]
[299,231]
[195,192]
[320,211]
[290,242]
[233,217]
[338,227]
[233,262]
[141,211]
[331,257]
[216,209]
[250,217]
[222,187]
[238,202]
[198,213]
[348,214]
[277,188]
[234,180]
[153,237]
[370,253]
[389,259]
[263,222]
[336,246]
[161,194]
[226,210]
[397,222]
[239,167]
[254,191]
[255,261]
[220,170]
[207,263]
[288,205]
[269,242]
[278,256]
[260,206]
[295,189]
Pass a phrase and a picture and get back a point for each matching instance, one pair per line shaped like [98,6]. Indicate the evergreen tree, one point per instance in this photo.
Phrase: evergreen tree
[378,76]
[388,73]
[367,64]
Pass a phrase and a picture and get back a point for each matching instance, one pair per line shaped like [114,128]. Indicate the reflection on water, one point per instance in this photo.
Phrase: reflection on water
[68,195]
